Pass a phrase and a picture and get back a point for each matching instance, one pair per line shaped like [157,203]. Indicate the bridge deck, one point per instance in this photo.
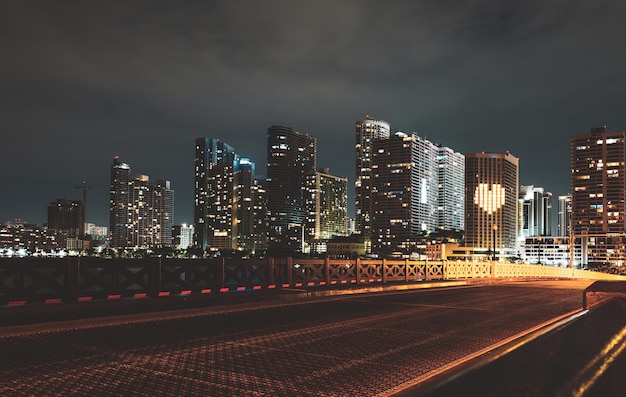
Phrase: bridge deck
[367,344]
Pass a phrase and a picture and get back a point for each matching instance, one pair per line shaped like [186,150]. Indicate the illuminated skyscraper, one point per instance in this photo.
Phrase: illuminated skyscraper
[366,131]
[119,216]
[404,191]
[451,190]
[491,201]
[564,227]
[330,205]
[141,213]
[209,154]
[536,207]
[598,177]
[291,160]
[67,217]
[244,205]
[598,208]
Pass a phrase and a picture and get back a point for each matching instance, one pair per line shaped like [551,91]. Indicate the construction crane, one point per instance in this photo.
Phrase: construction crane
[85,186]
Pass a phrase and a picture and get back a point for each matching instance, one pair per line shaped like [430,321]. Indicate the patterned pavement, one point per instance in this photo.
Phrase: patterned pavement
[360,345]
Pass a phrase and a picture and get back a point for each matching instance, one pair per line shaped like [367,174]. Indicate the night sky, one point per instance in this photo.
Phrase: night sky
[84,81]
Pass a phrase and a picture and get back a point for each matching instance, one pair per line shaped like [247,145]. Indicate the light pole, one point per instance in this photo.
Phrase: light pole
[494,227]
[539,243]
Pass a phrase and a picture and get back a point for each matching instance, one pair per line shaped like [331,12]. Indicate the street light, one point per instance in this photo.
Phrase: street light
[539,243]
[494,227]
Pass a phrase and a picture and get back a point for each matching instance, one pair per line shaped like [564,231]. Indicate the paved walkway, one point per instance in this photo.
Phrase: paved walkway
[366,344]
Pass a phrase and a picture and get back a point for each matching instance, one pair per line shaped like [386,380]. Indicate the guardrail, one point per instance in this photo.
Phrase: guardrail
[80,279]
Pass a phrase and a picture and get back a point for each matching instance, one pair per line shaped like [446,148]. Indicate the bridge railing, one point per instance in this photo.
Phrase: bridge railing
[78,279]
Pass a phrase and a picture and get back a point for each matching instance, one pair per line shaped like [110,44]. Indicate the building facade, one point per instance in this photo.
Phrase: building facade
[451,190]
[564,220]
[68,217]
[404,192]
[366,132]
[291,160]
[141,213]
[209,154]
[119,217]
[598,182]
[598,208]
[329,205]
[536,211]
[491,202]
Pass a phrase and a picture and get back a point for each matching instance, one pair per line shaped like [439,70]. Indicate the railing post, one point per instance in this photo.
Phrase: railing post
[327,270]
[270,271]
[221,270]
[72,280]
[156,277]
[357,271]
[406,270]
[426,273]
[493,269]
[289,270]
[384,270]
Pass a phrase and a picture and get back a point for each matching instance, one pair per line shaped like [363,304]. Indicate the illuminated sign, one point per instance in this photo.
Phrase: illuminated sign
[489,198]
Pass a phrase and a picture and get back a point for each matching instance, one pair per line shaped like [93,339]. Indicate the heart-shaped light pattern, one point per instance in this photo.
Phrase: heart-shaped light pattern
[489,198]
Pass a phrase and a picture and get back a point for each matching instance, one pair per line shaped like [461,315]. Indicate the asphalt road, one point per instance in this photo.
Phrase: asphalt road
[349,345]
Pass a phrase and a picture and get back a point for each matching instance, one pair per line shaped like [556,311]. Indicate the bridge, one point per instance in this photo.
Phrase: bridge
[85,279]
[529,335]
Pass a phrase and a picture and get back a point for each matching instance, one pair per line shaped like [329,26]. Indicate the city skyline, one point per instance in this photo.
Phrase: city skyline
[84,83]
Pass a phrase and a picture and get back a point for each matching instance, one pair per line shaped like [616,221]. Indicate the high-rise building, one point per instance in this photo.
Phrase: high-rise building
[244,170]
[209,154]
[536,211]
[366,131]
[491,201]
[182,236]
[564,226]
[598,208]
[164,212]
[260,216]
[598,182]
[119,217]
[141,213]
[330,204]
[451,190]
[404,191]
[291,160]
[67,217]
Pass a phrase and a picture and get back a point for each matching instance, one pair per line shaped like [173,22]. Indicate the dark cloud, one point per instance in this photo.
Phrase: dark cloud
[83,81]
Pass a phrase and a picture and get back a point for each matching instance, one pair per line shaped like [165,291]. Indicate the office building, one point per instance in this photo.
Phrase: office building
[329,215]
[536,211]
[598,208]
[598,177]
[491,202]
[67,217]
[404,192]
[564,226]
[366,131]
[119,219]
[141,213]
[182,236]
[451,190]
[291,160]
[208,155]
[244,171]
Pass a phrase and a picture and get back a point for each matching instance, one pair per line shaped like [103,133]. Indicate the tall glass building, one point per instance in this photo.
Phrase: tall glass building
[119,218]
[210,153]
[291,160]
[598,208]
[598,182]
[366,131]
[491,201]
